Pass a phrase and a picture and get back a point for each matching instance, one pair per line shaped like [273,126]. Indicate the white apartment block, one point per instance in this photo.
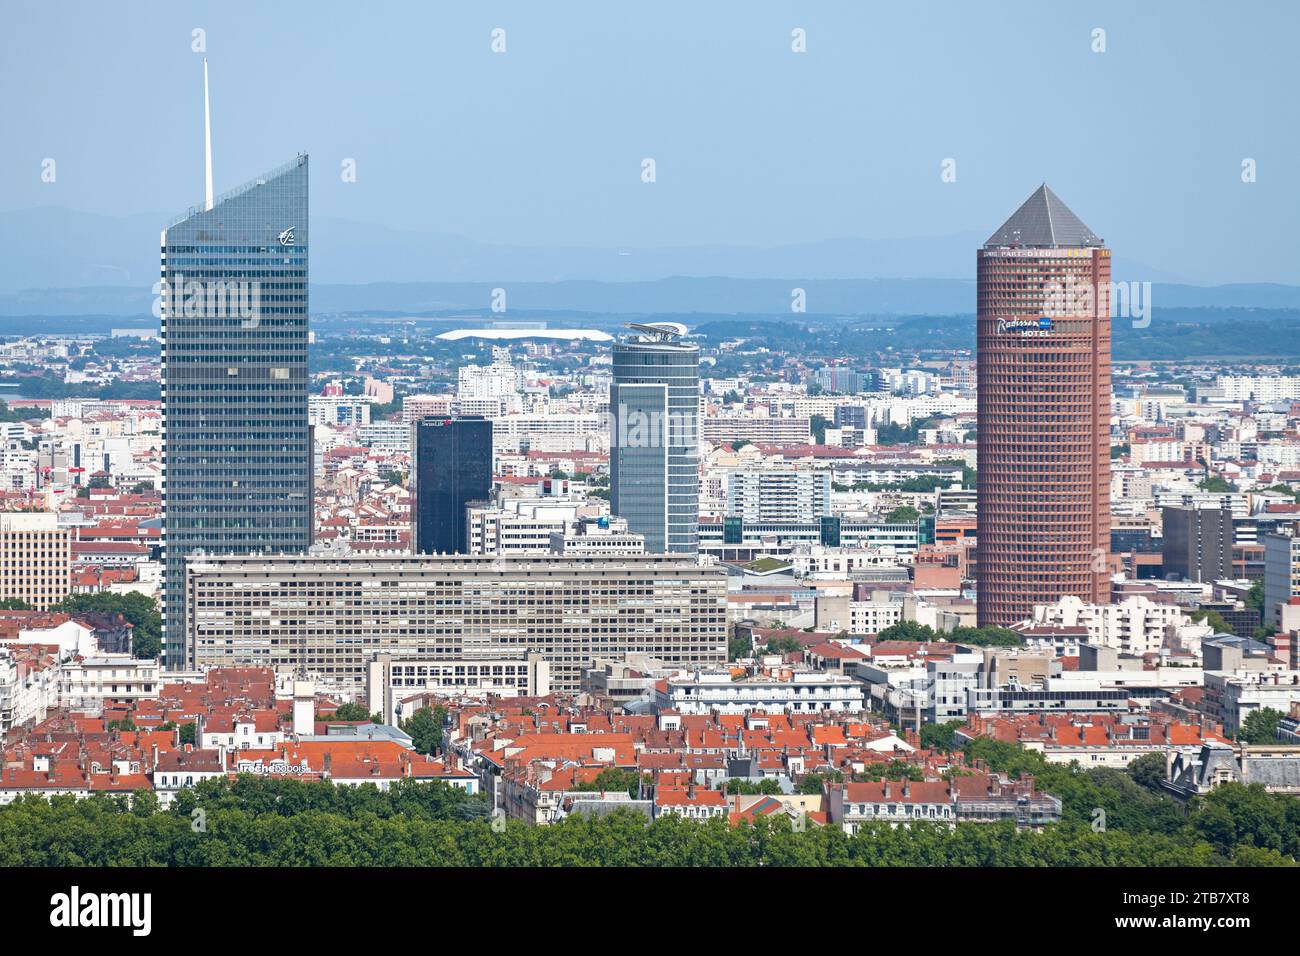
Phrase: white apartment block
[486,407]
[86,683]
[810,560]
[1285,455]
[604,537]
[701,692]
[1136,626]
[338,411]
[872,617]
[499,380]
[519,433]
[756,429]
[390,681]
[1167,678]
[386,437]
[415,407]
[520,526]
[1235,502]
[1167,449]
[784,494]
[1259,388]
[1130,481]
[1230,697]
[29,689]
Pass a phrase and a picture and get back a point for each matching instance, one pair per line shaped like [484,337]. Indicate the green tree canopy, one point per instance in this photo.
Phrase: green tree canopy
[1260,726]
[940,736]
[351,711]
[612,780]
[141,610]
[425,727]
[987,636]
[782,645]
[1148,770]
[908,631]
[1213,618]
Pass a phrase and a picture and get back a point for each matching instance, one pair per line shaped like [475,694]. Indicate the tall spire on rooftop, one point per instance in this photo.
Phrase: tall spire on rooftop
[1044,221]
[207,141]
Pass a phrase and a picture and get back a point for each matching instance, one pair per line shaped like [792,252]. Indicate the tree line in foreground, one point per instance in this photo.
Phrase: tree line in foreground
[254,821]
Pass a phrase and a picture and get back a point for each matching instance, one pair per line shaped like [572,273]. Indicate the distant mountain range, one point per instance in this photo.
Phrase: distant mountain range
[683,295]
[60,262]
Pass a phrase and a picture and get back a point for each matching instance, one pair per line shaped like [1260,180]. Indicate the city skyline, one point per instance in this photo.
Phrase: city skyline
[605,451]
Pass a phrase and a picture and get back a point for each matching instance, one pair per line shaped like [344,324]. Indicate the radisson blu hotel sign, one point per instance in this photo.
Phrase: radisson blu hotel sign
[1039,326]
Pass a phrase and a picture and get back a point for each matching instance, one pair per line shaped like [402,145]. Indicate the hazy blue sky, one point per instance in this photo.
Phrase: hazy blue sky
[754,144]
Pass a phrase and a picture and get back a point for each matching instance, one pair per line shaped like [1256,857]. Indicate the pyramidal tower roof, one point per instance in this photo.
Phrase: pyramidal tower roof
[1043,221]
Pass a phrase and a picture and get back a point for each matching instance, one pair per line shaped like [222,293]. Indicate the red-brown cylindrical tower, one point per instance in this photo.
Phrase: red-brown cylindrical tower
[1043,342]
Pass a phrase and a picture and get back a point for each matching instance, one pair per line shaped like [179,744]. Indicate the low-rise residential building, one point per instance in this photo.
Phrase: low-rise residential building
[1276,768]
[986,798]
[1098,740]
[87,683]
[29,685]
[700,692]
[1135,626]
[1230,696]
[391,679]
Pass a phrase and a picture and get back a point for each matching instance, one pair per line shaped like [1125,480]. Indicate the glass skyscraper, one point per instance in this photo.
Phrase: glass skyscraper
[237,447]
[452,466]
[654,461]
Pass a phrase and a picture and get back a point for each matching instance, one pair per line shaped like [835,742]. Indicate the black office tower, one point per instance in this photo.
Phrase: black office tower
[1197,543]
[452,466]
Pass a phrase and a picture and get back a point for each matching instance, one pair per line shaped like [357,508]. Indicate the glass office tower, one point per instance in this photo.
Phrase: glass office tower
[451,468]
[654,461]
[237,448]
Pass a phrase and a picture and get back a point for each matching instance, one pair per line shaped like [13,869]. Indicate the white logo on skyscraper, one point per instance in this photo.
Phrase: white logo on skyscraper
[286,237]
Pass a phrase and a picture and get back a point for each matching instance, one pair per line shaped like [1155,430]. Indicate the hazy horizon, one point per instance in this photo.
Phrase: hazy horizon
[756,147]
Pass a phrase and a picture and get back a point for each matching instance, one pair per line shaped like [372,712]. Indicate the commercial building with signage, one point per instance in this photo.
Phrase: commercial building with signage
[237,447]
[1044,370]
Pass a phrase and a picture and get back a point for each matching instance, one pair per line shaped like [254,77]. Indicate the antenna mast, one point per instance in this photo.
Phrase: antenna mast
[207,141]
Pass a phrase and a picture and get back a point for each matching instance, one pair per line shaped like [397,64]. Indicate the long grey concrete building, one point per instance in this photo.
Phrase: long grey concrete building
[331,615]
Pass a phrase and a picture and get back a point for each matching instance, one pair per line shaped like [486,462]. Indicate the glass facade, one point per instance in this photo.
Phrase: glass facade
[237,447]
[654,404]
[452,467]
